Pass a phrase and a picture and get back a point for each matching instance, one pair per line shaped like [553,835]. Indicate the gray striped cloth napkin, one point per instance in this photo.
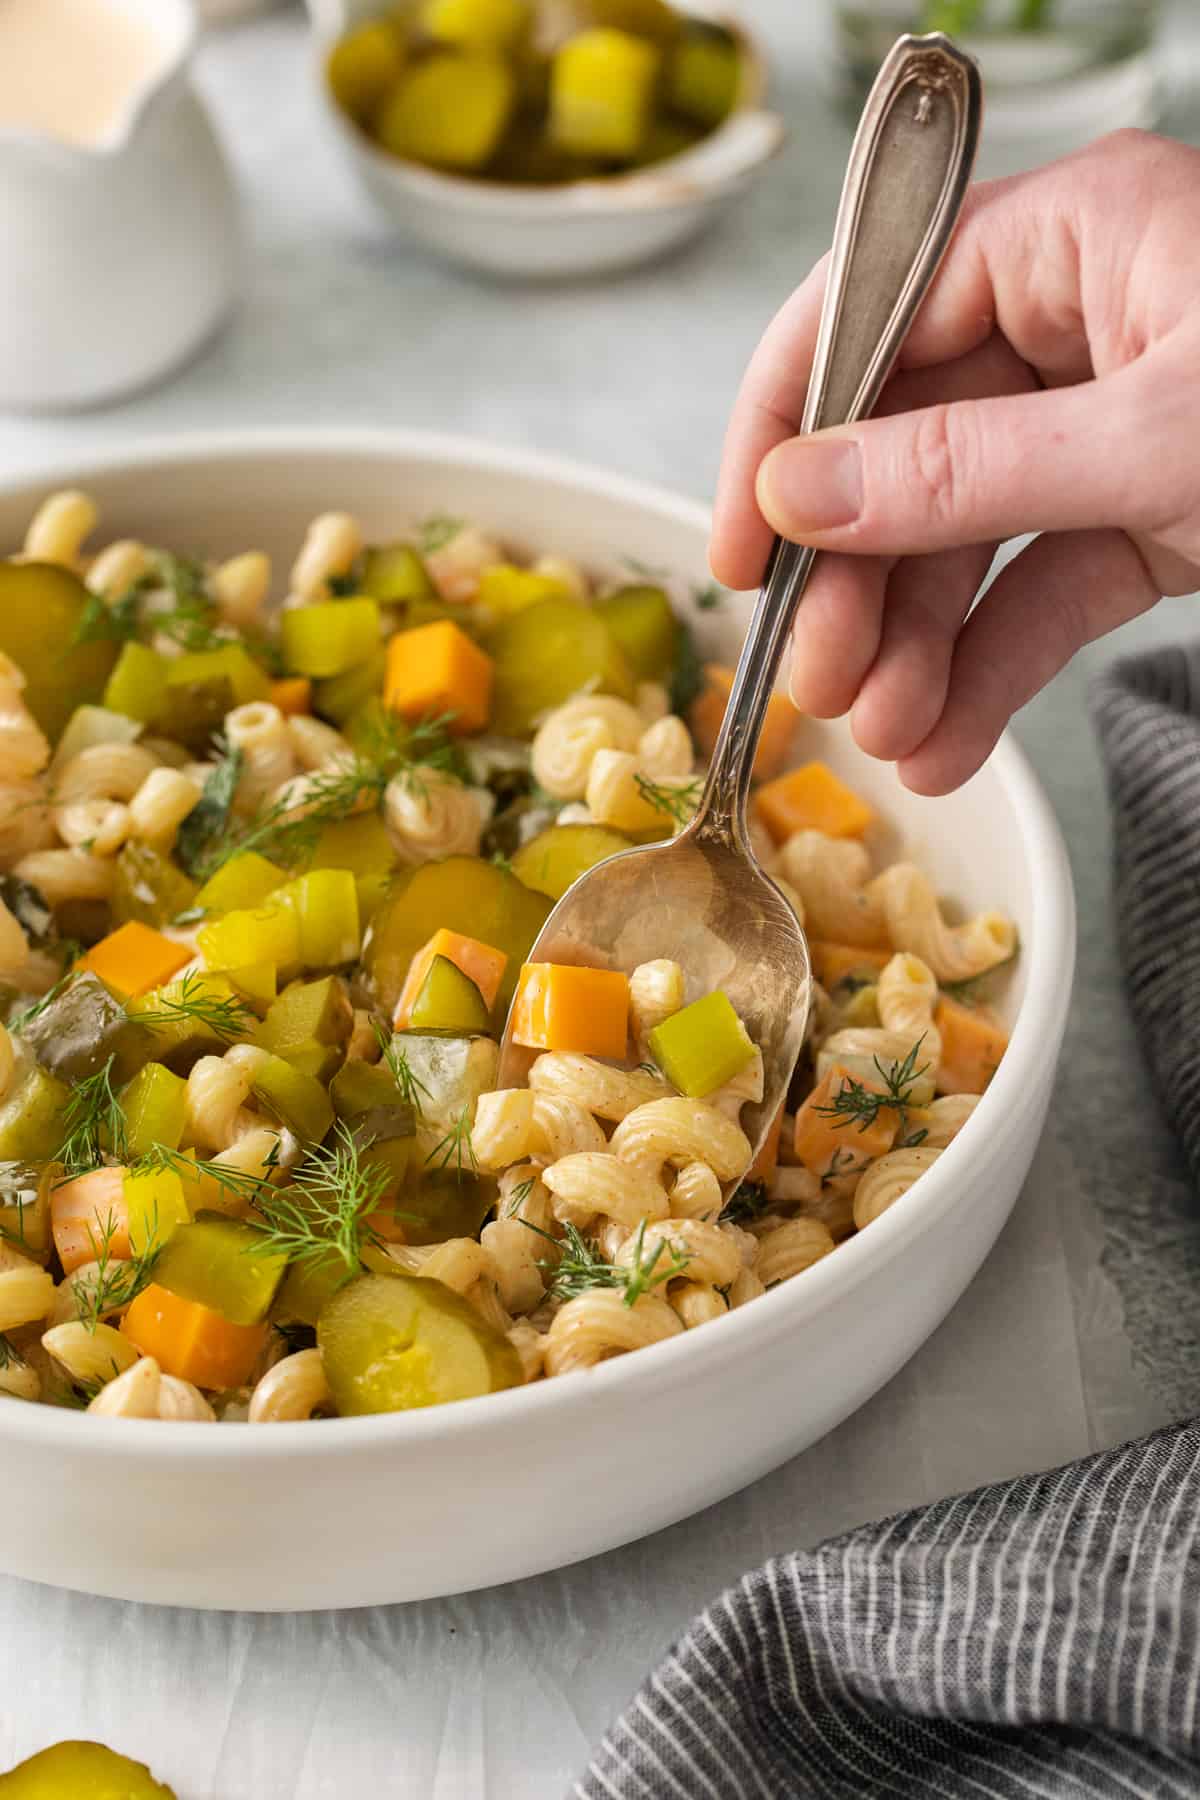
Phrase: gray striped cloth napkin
[1036,1640]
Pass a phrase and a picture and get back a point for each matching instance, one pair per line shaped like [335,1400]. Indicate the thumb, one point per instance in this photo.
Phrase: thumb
[974,471]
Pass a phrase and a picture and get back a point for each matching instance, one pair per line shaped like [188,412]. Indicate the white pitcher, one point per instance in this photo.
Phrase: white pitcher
[118,257]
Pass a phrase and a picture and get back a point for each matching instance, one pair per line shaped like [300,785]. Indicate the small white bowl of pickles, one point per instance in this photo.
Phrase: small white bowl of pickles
[545,138]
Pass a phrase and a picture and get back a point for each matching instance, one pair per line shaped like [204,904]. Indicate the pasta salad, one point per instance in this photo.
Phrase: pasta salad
[270,874]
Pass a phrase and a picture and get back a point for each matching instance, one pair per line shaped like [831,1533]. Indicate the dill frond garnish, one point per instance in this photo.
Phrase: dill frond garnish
[518,1197]
[225,1015]
[116,1281]
[327,1206]
[678,803]
[750,1200]
[93,1122]
[39,1006]
[436,532]
[389,750]
[455,1149]
[208,820]
[859,1105]
[243,1184]
[708,599]
[843,1162]
[342,586]
[102,622]
[402,1072]
[581,1266]
[10,1356]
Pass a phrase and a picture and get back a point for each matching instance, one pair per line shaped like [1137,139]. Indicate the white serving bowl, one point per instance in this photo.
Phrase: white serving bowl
[581,228]
[352,1511]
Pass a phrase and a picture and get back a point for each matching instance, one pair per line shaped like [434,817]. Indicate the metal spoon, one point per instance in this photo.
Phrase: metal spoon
[703,899]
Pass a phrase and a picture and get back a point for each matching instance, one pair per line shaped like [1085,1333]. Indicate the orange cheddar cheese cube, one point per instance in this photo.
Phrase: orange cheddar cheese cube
[829,1143]
[708,710]
[436,669]
[561,1007]
[88,1214]
[292,695]
[811,798]
[972,1044]
[479,962]
[134,959]
[192,1341]
[832,963]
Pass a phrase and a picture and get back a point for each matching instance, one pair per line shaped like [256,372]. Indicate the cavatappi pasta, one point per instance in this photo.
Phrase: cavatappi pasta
[273,856]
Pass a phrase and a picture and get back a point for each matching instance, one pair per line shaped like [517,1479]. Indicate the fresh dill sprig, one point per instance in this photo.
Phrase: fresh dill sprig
[708,599]
[401,1071]
[93,1123]
[225,1015]
[115,622]
[843,1162]
[750,1200]
[206,825]
[678,803]
[860,1105]
[581,1266]
[10,1356]
[116,1281]
[327,1206]
[455,1149]
[500,861]
[342,586]
[436,532]
[243,1184]
[518,1197]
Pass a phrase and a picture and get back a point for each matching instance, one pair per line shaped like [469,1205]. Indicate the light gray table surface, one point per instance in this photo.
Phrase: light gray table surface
[501,1694]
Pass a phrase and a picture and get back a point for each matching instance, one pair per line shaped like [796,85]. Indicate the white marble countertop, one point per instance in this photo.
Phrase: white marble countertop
[501,1694]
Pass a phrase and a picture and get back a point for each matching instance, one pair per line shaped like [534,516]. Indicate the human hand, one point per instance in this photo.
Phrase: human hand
[1051,383]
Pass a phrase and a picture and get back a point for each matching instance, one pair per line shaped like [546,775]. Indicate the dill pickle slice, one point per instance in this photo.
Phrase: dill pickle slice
[465,894]
[448,1001]
[41,609]
[391,1343]
[74,1767]
[643,623]
[555,858]
[444,1204]
[546,653]
[704,73]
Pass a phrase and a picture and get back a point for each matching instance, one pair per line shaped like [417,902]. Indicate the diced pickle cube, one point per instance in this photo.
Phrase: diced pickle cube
[340,696]
[149,888]
[395,572]
[363,65]
[25,1206]
[78,1030]
[255,982]
[556,857]
[393,1342]
[75,1767]
[297,1100]
[702,1047]
[269,933]
[325,905]
[703,74]
[643,623]
[307,1286]
[137,685]
[175,1040]
[223,1264]
[449,111]
[31,1118]
[361,845]
[504,589]
[309,1026]
[602,94]
[360,1087]
[154,1104]
[231,662]
[330,636]
[443,1203]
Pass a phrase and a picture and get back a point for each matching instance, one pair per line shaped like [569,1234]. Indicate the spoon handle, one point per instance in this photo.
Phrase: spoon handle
[907,178]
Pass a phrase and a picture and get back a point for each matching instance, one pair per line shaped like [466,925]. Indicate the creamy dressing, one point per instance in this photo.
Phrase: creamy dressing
[71,68]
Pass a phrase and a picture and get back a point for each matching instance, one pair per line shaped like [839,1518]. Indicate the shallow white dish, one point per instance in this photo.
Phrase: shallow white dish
[354,1511]
[581,228]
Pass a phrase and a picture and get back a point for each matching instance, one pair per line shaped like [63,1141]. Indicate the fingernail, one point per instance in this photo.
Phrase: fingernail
[812,484]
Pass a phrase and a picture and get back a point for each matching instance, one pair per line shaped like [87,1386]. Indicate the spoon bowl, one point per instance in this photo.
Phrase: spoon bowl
[705,902]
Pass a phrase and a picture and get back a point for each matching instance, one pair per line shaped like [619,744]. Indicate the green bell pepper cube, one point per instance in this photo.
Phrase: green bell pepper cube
[325,902]
[394,572]
[155,1106]
[263,934]
[329,637]
[224,1264]
[702,1047]
[246,880]
[297,1100]
[156,1208]
[309,1026]
[137,686]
